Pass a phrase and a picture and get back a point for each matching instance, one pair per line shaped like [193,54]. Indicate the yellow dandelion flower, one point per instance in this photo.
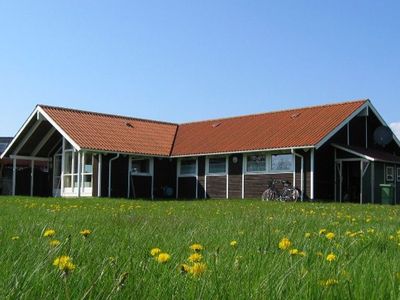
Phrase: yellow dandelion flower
[284,244]
[85,232]
[330,235]
[322,231]
[196,247]
[307,235]
[163,257]
[155,251]
[331,257]
[14,238]
[329,282]
[185,268]
[64,263]
[49,233]
[54,243]
[233,243]
[195,257]
[293,251]
[197,269]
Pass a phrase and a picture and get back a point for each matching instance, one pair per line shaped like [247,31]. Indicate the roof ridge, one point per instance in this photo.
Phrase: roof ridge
[277,111]
[106,114]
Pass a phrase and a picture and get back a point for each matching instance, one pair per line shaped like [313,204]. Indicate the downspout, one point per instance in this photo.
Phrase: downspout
[109,174]
[302,172]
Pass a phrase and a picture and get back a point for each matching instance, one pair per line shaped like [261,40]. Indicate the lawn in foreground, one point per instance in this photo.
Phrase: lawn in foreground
[245,252]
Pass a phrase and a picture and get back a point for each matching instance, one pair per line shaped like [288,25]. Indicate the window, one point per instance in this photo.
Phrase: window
[389,174]
[398,174]
[217,165]
[87,171]
[140,166]
[188,167]
[282,162]
[256,163]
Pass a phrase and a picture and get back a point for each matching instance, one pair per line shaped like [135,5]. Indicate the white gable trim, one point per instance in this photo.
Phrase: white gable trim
[59,129]
[341,125]
[36,113]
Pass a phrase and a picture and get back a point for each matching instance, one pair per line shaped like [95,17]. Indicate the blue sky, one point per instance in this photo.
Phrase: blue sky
[188,60]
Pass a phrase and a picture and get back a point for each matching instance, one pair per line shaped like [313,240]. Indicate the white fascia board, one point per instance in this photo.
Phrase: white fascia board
[134,155]
[341,125]
[31,116]
[382,121]
[354,152]
[243,151]
[59,129]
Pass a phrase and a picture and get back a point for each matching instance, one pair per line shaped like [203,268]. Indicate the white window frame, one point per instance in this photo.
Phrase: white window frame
[86,191]
[188,175]
[256,172]
[280,171]
[151,162]
[398,174]
[389,178]
[268,163]
[219,173]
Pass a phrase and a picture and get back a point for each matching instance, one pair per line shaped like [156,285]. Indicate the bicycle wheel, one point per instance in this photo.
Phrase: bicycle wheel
[292,195]
[268,195]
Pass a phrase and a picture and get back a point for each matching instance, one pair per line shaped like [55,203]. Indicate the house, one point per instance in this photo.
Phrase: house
[341,152]
[4,184]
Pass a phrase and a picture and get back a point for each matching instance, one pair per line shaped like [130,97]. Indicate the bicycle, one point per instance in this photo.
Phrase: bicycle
[287,193]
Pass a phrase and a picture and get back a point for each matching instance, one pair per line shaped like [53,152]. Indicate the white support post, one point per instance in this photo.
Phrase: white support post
[373,182]
[62,167]
[312,174]
[178,165]
[227,177]
[361,181]
[99,175]
[152,177]
[14,180]
[243,171]
[32,174]
[294,168]
[197,178]
[80,157]
[128,194]
[205,185]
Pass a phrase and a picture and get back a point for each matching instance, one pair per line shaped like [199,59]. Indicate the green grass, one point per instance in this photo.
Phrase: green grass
[114,261]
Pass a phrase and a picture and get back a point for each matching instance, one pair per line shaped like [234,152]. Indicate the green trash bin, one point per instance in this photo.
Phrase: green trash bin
[387,193]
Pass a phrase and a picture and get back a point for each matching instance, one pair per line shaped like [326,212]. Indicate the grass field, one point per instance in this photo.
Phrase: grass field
[242,256]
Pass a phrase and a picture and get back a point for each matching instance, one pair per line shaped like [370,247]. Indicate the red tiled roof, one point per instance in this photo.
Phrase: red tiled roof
[95,131]
[282,129]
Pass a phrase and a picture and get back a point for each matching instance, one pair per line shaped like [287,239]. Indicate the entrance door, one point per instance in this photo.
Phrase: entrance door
[57,175]
[351,184]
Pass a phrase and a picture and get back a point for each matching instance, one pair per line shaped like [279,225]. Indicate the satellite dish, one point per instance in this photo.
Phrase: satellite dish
[383,135]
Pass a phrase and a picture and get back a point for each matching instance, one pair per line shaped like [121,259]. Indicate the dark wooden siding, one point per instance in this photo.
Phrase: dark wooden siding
[187,187]
[201,174]
[119,176]
[216,186]
[140,187]
[235,176]
[164,176]
[255,185]
[95,176]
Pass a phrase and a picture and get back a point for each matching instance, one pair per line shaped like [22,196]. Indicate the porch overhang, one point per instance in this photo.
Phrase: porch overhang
[369,154]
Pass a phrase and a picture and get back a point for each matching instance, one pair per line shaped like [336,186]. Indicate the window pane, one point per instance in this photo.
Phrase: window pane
[67,181]
[88,165]
[282,162]
[68,145]
[256,163]
[87,181]
[68,162]
[188,167]
[141,166]
[217,165]
[75,162]
[75,181]
[57,165]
